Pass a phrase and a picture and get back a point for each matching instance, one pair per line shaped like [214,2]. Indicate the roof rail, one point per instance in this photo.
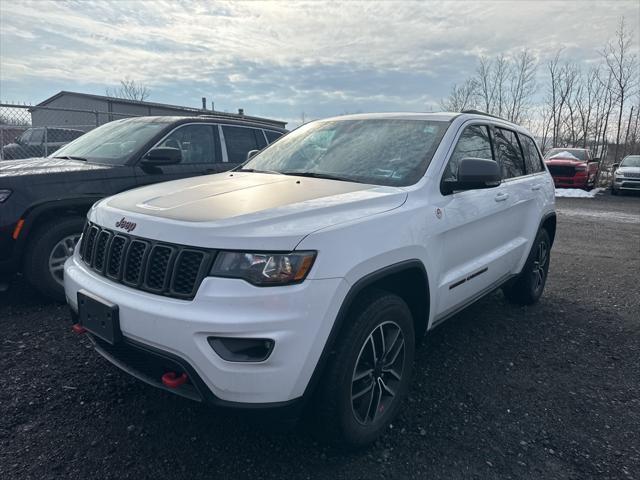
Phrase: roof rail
[243,118]
[480,112]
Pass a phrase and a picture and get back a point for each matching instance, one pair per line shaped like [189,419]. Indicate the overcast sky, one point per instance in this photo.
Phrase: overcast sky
[280,59]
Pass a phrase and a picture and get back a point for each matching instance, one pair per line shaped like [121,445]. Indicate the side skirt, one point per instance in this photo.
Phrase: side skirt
[451,312]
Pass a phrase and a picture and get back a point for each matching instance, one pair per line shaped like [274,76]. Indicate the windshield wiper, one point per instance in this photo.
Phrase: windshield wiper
[326,176]
[255,170]
[71,157]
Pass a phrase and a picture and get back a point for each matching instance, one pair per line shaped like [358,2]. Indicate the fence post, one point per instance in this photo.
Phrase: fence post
[97,118]
[46,141]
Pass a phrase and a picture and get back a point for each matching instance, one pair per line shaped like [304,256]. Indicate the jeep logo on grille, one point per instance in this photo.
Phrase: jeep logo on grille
[125,224]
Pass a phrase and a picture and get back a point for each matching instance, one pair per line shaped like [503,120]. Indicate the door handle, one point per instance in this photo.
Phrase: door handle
[536,187]
[501,197]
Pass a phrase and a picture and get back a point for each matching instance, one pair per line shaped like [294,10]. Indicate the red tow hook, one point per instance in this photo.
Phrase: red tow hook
[79,329]
[171,379]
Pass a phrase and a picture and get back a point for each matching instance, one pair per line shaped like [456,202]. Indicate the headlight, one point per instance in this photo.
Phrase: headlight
[618,173]
[4,194]
[263,269]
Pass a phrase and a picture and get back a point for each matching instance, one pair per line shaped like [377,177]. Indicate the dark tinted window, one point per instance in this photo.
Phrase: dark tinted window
[37,136]
[260,138]
[532,158]
[240,141]
[508,154]
[474,142]
[272,136]
[195,142]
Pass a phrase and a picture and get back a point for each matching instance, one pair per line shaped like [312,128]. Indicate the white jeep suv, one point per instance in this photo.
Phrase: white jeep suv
[308,275]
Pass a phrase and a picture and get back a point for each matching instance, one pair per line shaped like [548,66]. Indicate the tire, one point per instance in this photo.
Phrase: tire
[339,418]
[527,288]
[51,242]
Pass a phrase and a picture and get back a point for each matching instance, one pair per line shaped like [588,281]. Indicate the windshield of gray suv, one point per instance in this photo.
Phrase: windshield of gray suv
[393,152]
[112,143]
[579,153]
[631,161]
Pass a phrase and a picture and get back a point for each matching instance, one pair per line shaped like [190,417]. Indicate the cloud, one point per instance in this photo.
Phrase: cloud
[312,56]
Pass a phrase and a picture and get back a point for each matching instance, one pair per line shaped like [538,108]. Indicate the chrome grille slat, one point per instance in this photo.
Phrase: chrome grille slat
[153,266]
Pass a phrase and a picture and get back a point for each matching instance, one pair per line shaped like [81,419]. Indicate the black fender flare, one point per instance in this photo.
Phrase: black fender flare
[348,301]
[35,213]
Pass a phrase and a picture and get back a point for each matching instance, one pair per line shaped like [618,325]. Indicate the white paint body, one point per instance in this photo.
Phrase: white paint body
[354,234]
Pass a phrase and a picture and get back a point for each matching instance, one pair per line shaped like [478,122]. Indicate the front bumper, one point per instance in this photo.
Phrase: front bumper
[623,183]
[571,182]
[297,317]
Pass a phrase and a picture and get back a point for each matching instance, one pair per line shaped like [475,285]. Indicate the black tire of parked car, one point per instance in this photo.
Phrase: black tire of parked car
[39,250]
[335,417]
[527,288]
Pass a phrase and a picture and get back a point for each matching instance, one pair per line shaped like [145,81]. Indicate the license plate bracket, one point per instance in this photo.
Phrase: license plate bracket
[99,316]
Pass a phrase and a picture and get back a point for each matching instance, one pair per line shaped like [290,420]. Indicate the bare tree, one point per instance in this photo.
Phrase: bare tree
[622,66]
[522,85]
[461,97]
[130,90]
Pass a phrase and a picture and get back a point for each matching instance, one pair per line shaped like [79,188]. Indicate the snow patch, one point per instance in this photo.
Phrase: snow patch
[577,192]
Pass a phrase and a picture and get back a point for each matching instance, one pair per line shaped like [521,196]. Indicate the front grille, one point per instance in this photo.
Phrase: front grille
[631,175]
[562,170]
[158,267]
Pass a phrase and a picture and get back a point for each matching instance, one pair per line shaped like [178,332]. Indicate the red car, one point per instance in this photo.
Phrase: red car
[572,167]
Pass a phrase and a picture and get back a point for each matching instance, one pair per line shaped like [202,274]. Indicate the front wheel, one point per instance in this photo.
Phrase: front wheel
[527,288]
[369,375]
[52,244]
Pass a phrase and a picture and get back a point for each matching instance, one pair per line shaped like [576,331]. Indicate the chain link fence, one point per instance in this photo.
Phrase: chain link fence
[31,131]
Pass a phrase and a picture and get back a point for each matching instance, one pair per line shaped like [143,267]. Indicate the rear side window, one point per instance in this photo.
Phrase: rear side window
[272,136]
[508,153]
[262,142]
[239,141]
[37,136]
[532,158]
[474,142]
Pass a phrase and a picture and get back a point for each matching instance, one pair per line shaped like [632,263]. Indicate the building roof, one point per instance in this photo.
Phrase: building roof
[176,108]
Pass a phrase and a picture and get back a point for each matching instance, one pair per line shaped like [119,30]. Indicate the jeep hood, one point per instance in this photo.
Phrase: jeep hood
[50,170]
[243,210]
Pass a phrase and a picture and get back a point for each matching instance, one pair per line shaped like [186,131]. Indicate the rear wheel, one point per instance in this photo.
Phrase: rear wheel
[52,244]
[527,288]
[369,375]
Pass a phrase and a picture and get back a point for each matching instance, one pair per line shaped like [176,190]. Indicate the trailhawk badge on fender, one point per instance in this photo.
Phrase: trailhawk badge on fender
[126,225]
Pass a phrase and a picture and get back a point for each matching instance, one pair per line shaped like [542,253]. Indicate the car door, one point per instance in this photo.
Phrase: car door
[521,219]
[538,185]
[201,154]
[472,231]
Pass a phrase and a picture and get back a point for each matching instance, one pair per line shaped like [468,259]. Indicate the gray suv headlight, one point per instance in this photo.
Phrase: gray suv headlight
[262,268]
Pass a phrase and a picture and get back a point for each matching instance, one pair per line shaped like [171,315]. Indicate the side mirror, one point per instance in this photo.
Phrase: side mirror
[162,156]
[474,174]
[251,153]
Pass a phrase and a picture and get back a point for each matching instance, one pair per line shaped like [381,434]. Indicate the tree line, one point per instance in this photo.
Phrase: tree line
[596,107]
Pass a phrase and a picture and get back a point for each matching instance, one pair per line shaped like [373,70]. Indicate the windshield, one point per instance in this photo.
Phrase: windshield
[112,143]
[578,153]
[631,161]
[376,151]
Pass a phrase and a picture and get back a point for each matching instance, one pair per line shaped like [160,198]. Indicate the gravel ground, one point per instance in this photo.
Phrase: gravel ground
[549,391]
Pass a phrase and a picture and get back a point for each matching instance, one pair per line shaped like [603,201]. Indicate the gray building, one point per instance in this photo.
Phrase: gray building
[84,111]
